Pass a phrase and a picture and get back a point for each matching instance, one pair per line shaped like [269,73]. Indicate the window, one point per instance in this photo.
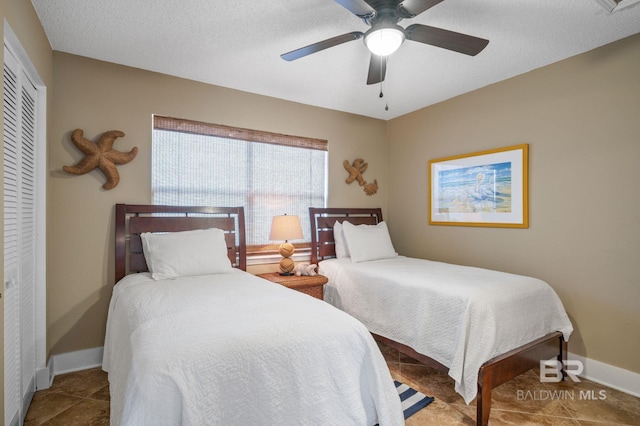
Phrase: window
[269,174]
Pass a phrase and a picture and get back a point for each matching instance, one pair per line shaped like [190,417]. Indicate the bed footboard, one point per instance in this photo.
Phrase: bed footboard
[513,363]
[500,369]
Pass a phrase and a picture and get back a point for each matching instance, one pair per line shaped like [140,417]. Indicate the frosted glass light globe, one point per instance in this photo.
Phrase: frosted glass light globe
[384,41]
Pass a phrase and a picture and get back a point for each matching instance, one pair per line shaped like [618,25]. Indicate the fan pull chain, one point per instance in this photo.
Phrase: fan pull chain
[382,58]
[386,104]
[381,95]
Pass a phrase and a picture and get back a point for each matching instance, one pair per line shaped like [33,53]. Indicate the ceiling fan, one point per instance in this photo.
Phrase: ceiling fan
[385,35]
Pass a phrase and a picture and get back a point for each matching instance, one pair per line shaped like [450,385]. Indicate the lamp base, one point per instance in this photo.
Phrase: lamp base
[286,266]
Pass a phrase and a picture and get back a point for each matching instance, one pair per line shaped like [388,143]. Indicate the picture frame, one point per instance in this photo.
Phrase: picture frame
[486,188]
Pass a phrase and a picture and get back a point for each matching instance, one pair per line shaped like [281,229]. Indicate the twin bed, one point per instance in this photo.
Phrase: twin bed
[198,340]
[482,327]
[207,343]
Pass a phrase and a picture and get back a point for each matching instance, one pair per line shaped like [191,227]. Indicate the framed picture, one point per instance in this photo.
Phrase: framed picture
[487,188]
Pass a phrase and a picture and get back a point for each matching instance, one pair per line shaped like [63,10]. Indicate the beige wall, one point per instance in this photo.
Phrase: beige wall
[25,24]
[580,119]
[97,96]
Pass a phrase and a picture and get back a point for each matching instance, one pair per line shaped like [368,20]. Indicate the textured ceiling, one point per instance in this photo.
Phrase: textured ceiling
[238,45]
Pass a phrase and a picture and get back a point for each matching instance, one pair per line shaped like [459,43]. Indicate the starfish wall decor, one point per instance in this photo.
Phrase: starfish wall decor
[100,155]
[355,170]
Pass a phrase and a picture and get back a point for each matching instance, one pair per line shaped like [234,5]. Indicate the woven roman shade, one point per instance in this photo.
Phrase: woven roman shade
[269,174]
[207,129]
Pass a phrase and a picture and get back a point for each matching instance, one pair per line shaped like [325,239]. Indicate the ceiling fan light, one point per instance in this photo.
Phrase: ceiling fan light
[384,41]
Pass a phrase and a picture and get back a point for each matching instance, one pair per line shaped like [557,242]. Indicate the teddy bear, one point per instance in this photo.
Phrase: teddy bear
[305,269]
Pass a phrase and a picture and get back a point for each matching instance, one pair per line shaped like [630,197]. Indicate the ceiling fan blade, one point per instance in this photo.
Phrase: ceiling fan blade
[411,8]
[360,8]
[377,69]
[321,45]
[446,39]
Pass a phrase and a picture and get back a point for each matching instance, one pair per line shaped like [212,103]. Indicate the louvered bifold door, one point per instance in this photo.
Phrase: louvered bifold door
[12,384]
[19,240]
[27,242]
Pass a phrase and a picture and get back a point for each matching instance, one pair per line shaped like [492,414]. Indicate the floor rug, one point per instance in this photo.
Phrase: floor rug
[412,400]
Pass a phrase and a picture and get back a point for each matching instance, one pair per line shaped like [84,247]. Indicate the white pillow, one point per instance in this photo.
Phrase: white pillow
[186,253]
[368,242]
[342,250]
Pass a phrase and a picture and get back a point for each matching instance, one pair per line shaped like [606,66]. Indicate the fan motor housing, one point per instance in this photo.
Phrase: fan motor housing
[386,11]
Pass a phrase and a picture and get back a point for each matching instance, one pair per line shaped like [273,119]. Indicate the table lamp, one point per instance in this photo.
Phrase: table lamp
[286,228]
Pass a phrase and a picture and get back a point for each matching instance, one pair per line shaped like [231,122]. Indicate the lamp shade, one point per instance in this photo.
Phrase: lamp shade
[286,228]
[384,39]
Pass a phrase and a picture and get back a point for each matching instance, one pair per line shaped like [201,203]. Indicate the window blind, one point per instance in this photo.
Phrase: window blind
[269,174]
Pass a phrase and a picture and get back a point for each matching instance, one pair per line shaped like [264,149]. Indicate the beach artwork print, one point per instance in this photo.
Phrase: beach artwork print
[487,188]
[475,189]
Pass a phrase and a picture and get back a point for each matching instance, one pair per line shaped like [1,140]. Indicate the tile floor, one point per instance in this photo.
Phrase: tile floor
[82,398]
[74,399]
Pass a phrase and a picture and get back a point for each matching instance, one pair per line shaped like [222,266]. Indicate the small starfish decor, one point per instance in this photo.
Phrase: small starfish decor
[100,155]
[356,170]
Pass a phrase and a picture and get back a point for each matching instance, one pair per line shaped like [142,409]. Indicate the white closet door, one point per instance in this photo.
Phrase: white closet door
[12,384]
[27,239]
[19,240]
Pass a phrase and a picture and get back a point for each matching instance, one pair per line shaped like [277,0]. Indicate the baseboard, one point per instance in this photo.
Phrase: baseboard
[614,377]
[608,375]
[26,400]
[15,420]
[77,360]
[44,376]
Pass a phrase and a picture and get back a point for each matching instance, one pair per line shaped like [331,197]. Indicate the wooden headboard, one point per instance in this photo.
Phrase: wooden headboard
[322,221]
[132,220]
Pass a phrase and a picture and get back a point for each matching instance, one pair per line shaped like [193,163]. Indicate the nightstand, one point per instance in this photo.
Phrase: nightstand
[313,286]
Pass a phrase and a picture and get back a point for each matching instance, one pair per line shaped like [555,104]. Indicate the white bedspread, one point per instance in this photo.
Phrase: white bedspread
[234,349]
[457,315]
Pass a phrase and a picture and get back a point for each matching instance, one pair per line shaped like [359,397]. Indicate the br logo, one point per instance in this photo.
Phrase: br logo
[551,370]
